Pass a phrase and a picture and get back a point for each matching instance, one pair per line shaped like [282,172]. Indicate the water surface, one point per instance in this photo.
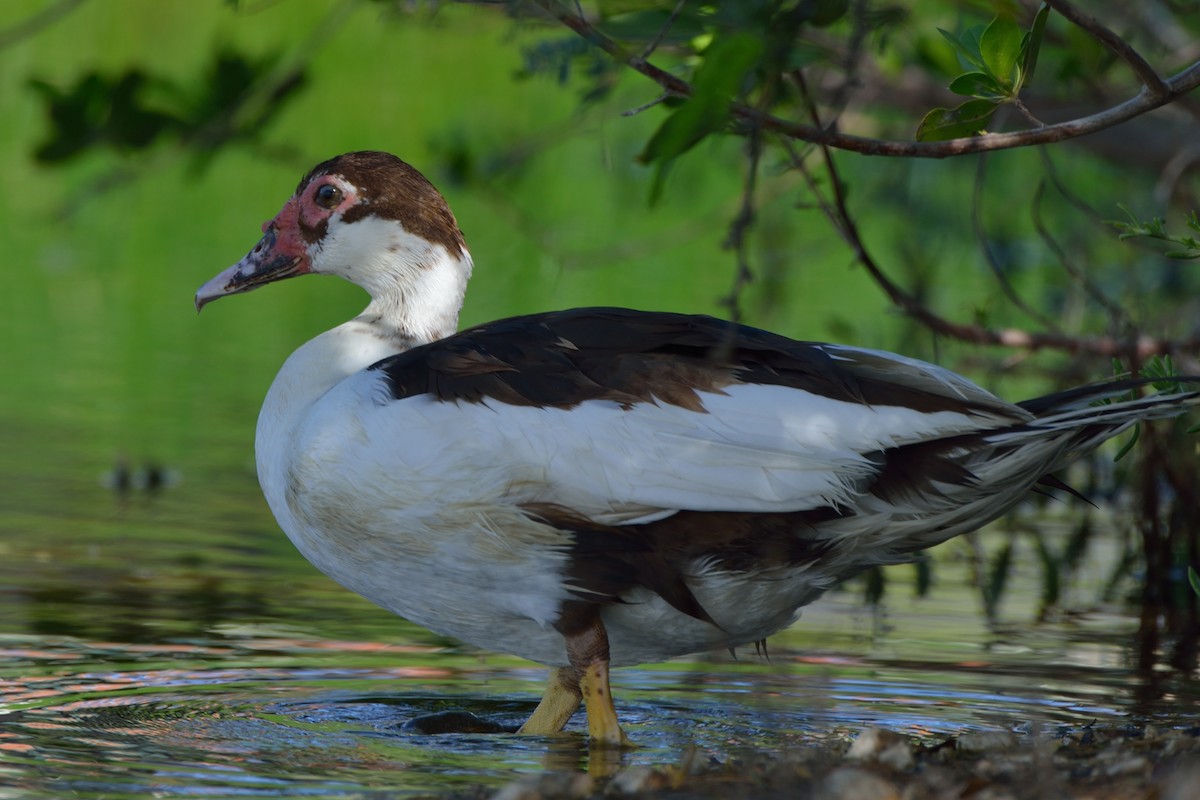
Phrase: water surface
[153,646]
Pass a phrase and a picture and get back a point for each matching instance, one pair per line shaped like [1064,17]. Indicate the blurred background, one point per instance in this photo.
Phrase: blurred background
[142,146]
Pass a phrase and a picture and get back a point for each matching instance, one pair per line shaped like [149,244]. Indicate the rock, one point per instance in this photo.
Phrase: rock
[550,785]
[884,747]
[855,783]
[632,780]
[1183,783]
[987,742]
[1127,765]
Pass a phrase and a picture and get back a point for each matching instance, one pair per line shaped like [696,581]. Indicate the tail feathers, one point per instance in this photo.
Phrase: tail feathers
[1088,396]
[929,492]
[1081,425]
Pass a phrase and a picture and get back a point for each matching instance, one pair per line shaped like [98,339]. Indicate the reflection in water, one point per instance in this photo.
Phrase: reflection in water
[256,715]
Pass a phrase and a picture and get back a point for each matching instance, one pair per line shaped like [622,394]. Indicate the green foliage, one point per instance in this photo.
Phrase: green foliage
[999,60]
[564,59]
[99,110]
[134,110]
[1194,580]
[1155,229]
[967,119]
[717,80]
[1164,377]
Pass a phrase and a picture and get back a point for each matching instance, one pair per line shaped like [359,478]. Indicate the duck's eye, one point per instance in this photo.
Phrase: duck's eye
[328,196]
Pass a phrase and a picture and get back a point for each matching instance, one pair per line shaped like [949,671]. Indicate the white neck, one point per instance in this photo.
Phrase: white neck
[416,287]
[412,303]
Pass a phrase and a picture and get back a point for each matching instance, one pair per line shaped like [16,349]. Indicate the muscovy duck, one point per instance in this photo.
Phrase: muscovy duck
[602,486]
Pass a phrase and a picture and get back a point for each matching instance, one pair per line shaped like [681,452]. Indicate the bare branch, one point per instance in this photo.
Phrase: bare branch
[633,112]
[989,254]
[670,23]
[1119,47]
[1116,313]
[1133,348]
[1146,100]
[736,239]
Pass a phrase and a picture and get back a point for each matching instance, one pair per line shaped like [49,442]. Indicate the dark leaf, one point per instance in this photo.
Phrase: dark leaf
[977,84]
[966,47]
[1125,448]
[823,13]
[1032,43]
[726,62]
[968,119]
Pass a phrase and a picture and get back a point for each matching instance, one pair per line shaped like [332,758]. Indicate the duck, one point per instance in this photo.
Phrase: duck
[602,487]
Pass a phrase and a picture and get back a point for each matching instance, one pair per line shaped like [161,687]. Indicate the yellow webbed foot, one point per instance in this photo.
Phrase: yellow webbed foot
[558,704]
[603,728]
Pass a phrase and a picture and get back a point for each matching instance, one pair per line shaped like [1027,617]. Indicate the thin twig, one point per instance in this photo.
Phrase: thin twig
[736,239]
[662,32]
[1130,348]
[632,112]
[1026,113]
[1051,171]
[852,63]
[1150,79]
[1116,314]
[1146,100]
[989,254]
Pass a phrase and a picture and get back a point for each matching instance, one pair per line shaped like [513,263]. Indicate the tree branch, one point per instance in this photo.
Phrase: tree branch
[1150,79]
[670,23]
[1148,99]
[1135,348]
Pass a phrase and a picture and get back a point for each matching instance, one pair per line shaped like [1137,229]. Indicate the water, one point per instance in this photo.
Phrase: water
[251,717]
[153,664]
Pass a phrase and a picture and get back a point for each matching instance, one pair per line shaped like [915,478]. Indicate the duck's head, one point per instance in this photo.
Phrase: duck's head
[367,217]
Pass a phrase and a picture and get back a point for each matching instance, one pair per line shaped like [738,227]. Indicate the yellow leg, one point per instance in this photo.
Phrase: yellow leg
[603,728]
[560,701]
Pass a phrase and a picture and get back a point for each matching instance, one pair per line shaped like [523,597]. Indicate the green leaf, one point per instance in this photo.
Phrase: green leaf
[968,119]
[1125,448]
[1031,45]
[1194,580]
[826,12]
[977,84]
[717,80]
[1000,47]
[966,46]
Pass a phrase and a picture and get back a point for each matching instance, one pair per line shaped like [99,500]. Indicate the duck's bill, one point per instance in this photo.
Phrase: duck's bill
[262,265]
